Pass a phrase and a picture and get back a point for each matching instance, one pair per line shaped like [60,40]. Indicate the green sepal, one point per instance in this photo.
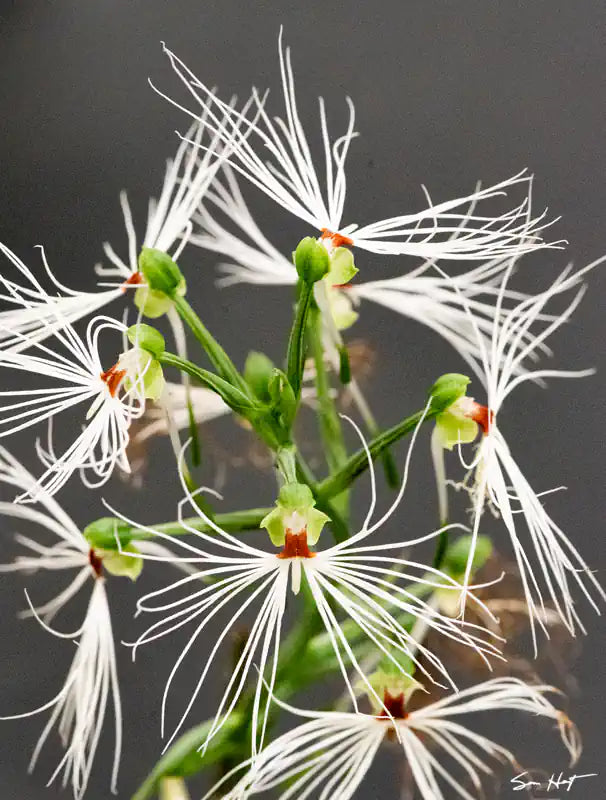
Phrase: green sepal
[151,303]
[122,564]
[148,372]
[447,390]
[101,534]
[396,678]
[341,308]
[454,429]
[294,499]
[147,338]
[311,260]
[342,268]
[258,371]
[161,273]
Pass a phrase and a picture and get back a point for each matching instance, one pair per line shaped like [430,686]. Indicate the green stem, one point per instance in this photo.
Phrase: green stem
[247,519]
[358,463]
[217,355]
[330,424]
[102,533]
[296,342]
[441,548]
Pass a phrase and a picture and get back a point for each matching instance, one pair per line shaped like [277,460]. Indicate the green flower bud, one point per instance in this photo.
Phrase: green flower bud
[294,511]
[282,396]
[447,390]
[455,565]
[311,260]
[161,273]
[258,372]
[147,338]
[455,560]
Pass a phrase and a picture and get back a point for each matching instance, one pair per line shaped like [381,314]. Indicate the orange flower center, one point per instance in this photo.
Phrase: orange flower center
[337,239]
[135,279]
[295,546]
[95,562]
[482,416]
[113,378]
[394,704]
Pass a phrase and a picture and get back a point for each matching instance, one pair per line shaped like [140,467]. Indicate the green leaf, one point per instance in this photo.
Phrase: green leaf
[296,343]
[183,758]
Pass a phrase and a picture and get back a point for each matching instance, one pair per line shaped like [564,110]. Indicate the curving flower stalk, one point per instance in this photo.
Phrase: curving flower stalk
[290,179]
[329,754]
[72,373]
[367,582]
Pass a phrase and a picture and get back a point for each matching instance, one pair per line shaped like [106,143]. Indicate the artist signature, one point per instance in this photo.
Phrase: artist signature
[560,781]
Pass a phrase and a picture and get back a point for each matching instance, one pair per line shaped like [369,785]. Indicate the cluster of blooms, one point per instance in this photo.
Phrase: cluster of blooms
[374,607]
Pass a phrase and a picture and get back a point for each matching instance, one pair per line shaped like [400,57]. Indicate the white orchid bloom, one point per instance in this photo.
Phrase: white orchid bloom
[553,563]
[79,709]
[71,373]
[290,178]
[187,177]
[328,756]
[422,294]
[33,313]
[367,582]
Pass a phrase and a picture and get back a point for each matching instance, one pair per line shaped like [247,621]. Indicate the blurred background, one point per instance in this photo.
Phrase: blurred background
[446,94]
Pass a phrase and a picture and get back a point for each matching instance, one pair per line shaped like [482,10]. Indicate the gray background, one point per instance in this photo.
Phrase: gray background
[445,93]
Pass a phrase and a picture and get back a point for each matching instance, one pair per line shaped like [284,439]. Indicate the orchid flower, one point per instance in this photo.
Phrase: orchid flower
[71,373]
[290,178]
[329,754]
[79,709]
[169,226]
[34,314]
[366,581]
[422,294]
[494,478]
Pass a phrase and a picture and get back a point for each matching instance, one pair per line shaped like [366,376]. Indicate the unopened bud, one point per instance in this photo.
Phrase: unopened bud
[311,260]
